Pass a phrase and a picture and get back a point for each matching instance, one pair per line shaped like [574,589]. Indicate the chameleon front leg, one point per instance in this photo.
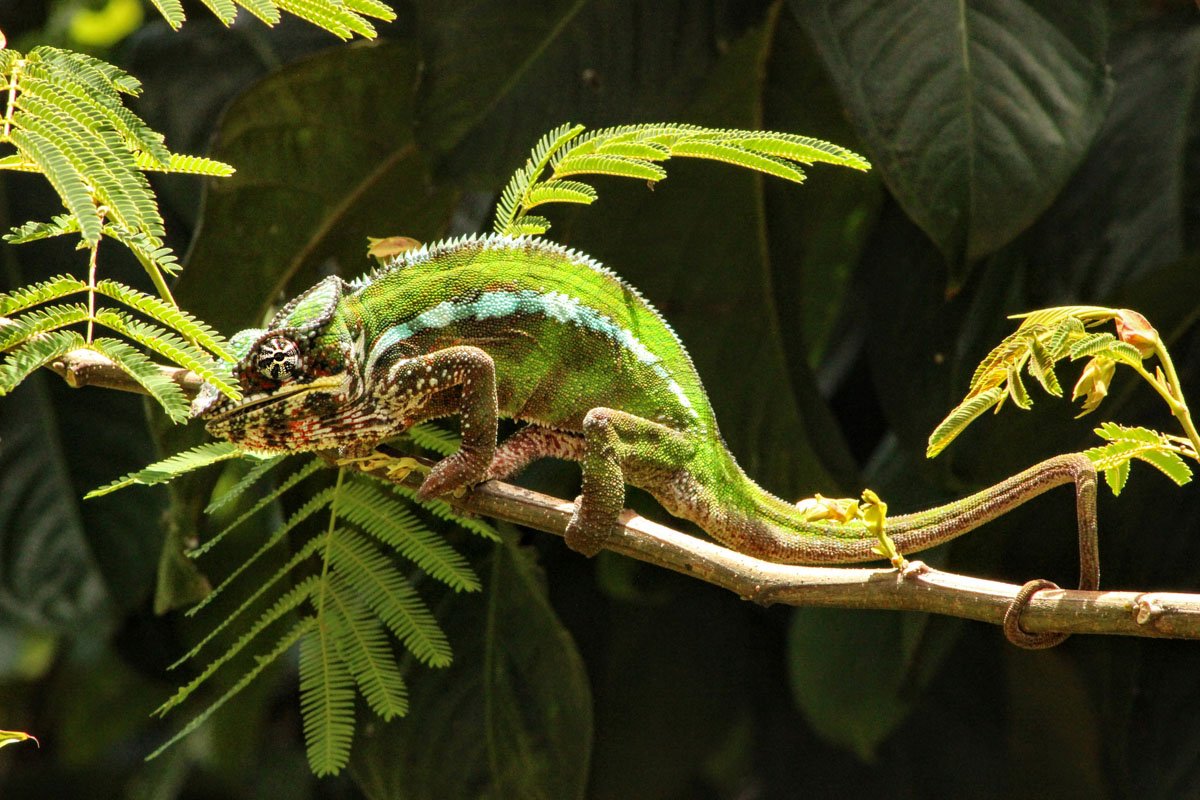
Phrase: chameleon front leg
[473,373]
[616,443]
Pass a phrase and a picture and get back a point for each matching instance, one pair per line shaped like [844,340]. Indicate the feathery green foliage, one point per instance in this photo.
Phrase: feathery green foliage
[1127,443]
[173,466]
[349,603]
[65,118]
[634,151]
[342,18]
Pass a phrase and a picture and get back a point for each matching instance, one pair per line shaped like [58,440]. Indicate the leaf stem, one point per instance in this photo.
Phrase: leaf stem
[12,97]
[91,290]
[1171,394]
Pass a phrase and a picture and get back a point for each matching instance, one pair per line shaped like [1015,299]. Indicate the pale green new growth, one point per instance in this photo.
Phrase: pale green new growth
[634,151]
[1126,443]
[1047,336]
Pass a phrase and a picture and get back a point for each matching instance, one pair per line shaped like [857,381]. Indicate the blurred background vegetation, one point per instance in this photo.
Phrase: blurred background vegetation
[1027,153]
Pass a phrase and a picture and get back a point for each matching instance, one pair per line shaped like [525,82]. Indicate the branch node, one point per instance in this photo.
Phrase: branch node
[1147,609]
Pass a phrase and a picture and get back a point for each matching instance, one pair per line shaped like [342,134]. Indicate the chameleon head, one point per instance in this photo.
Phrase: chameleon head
[299,378]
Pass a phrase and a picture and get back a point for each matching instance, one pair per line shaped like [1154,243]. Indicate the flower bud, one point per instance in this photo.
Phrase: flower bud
[1093,383]
[1134,329]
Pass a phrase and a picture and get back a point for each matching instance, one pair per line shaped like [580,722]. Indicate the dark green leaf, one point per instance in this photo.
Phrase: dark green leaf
[976,113]
[336,177]
[513,715]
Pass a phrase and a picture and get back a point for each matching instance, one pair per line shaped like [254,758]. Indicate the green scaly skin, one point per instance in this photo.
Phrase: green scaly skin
[489,327]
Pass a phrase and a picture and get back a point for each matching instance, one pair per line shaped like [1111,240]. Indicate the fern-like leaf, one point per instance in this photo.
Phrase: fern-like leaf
[147,374]
[961,417]
[560,191]
[167,315]
[314,504]
[371,8]
[636,151]
[390,596]
[35,354]
[64,177]
[287,603]
[732,154]
[1168,463]
[443,510]
[433,438]
[29,296]
[326,700]
[172,12]
[265,10]
[172,467]
[171,347]
[292,480]
[252,476]
[392,524]
[155,257]
[602,164]
[299,557]
[1125,443]
[363,644]
[224,10]
[263,661]
[186,165]
[40,321]
[33,231]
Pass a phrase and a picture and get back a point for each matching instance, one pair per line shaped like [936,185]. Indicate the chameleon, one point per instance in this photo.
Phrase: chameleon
[489,327]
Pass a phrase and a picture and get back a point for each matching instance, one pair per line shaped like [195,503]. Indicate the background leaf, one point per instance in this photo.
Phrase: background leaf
[975,113]
[513,712]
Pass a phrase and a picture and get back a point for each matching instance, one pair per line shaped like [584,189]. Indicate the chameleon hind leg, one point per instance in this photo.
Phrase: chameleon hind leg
[619,447]
[531,443]
[473,373]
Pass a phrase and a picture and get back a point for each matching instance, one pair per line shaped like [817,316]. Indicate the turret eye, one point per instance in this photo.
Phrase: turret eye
[278,359]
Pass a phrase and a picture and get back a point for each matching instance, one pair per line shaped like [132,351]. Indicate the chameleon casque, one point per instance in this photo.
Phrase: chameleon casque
[492,326]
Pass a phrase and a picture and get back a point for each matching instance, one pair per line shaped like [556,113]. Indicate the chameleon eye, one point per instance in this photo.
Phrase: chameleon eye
[278,359]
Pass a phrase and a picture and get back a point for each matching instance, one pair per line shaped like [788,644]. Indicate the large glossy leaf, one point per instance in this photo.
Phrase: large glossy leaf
[511,718]
[975,111]
[325,158]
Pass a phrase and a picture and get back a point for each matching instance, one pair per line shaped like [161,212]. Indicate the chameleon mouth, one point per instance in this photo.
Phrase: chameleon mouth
[215,413]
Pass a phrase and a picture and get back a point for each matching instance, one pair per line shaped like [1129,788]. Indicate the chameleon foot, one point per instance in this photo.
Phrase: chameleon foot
[587,536]
[1012,619]
[458,471]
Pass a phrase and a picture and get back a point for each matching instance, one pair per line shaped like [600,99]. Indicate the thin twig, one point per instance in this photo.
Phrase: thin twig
[85,367]
[1153,614]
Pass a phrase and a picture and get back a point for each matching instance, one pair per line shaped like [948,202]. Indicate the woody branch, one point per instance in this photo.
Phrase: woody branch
[1152,614]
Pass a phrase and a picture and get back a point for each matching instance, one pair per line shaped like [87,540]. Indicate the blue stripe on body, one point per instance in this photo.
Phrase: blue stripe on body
[555,305]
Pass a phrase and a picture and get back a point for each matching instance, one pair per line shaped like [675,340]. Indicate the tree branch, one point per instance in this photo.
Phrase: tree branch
[1154,614]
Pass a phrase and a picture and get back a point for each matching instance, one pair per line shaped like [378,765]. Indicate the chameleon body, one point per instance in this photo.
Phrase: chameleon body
[521,328]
